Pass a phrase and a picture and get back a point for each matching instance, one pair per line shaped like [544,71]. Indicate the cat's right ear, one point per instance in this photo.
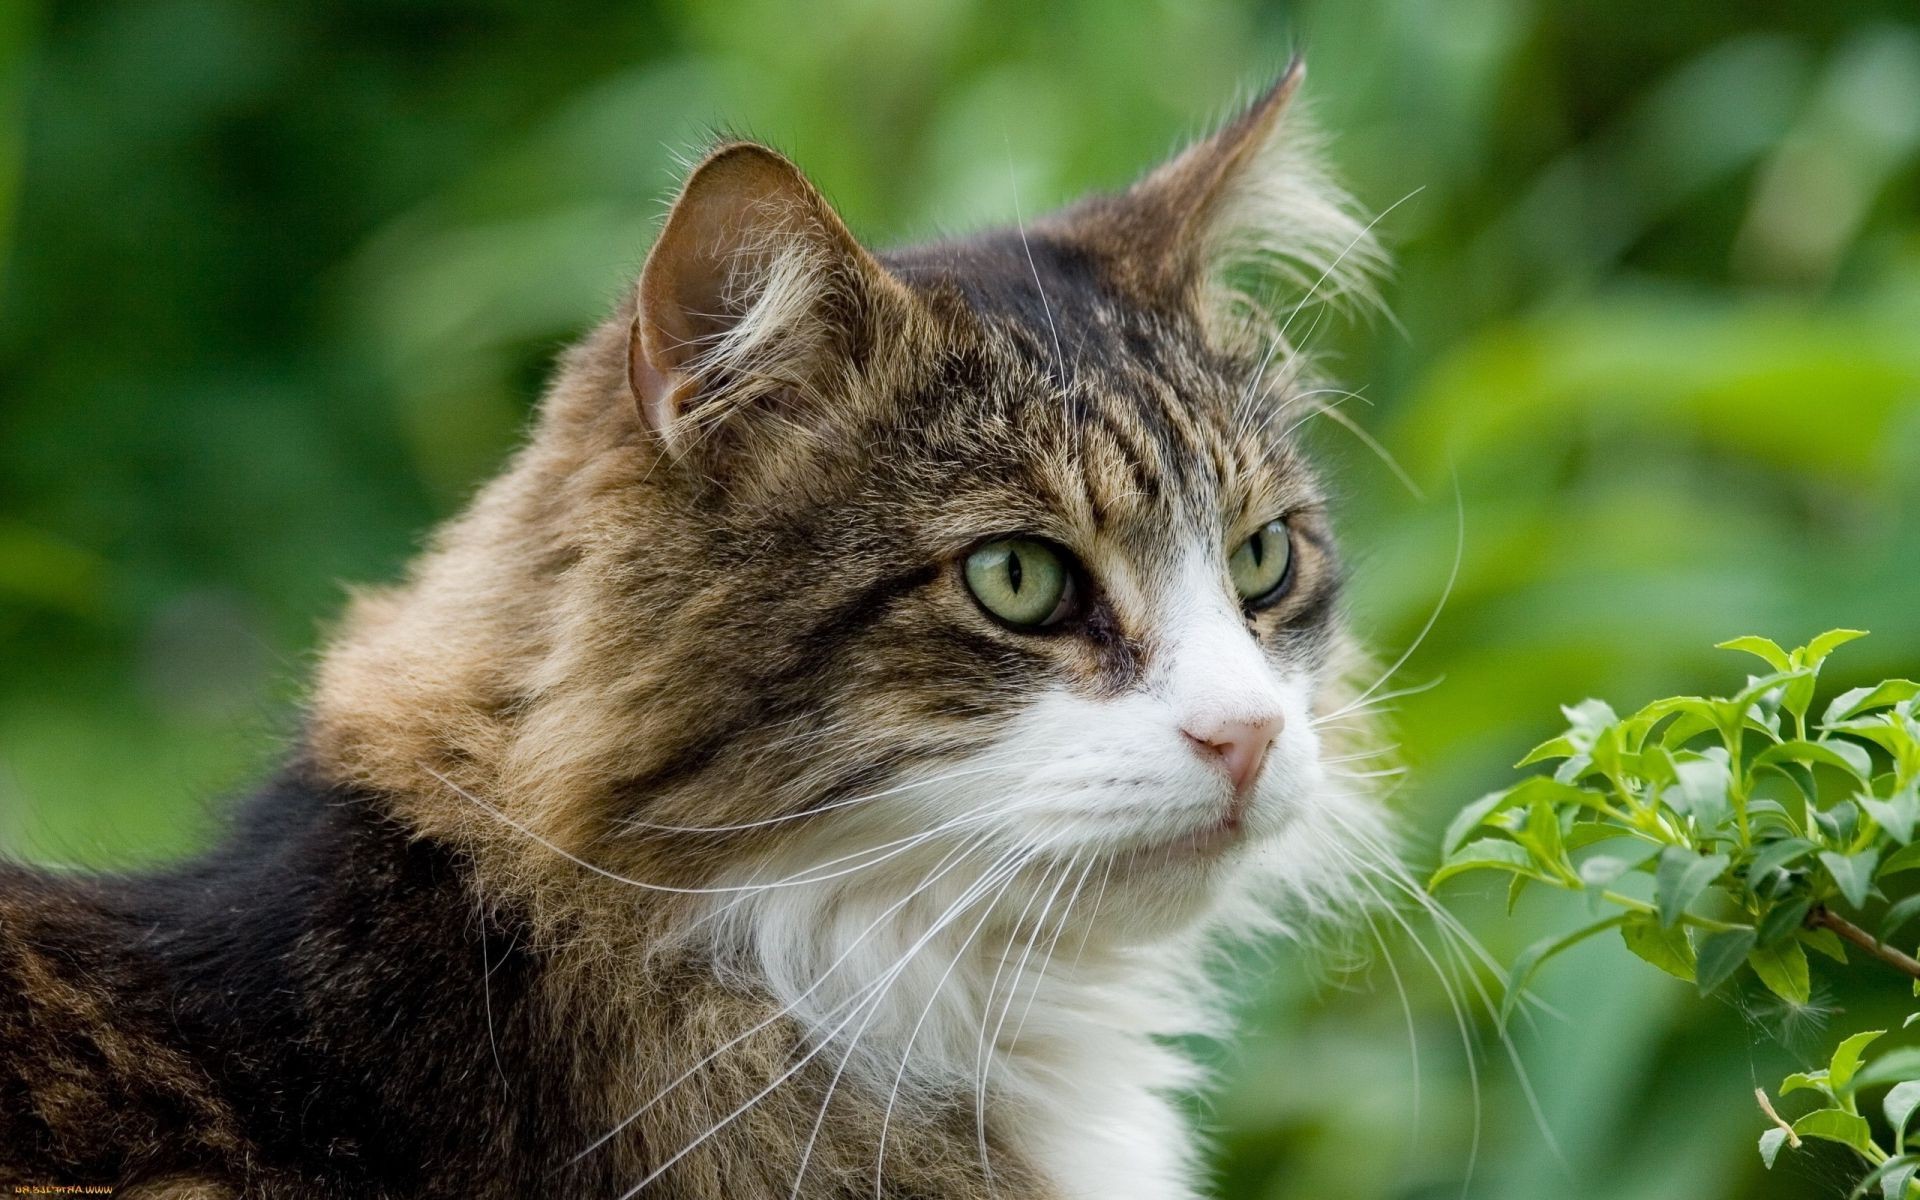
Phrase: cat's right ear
[1251,205]
[754,294]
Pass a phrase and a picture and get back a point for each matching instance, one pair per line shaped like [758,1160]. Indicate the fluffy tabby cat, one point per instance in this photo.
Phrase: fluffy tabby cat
[815,768]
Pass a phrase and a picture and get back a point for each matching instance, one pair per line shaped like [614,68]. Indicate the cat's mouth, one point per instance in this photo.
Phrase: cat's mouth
[1203,844]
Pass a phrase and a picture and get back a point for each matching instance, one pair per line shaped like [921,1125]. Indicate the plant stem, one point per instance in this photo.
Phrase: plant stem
[1766,1106]
[1823,917]
[1641,906]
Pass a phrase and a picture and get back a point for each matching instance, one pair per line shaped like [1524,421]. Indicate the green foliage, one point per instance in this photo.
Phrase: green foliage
[1894,1173]
[1736,830]
[1749,821]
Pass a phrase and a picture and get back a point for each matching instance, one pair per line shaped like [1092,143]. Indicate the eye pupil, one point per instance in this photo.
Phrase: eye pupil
[1022,581]
[1262,567]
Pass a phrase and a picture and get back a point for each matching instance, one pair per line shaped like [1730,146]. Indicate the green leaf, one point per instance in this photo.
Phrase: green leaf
[1890,1179]
[1530,959]
[1587,720]
[1587,833]
[1836,824]
[1770,1143]
[1836,1125]
[1900,1104]
[1759,647]
[1894,736]
[1827,942]
[1681,877]
[1811,1081]
[1603,870]
[1783,919]
[1470,817]
[1894,1066]
[1897,1183]
[1495,854]
[1757,689]
[1515,886]
[1720,955]
[1520,795]
[1776,854]
[1907,858]
[1541,834]
[1852,873]
[1858,700]
[1897,916]
[1552,748]
[1692,723]
[1897,814]
[1669,949]
[1798,696]
[1815,652]
[1841,756]
[1701,786]
[1783,968]
[1846,1058]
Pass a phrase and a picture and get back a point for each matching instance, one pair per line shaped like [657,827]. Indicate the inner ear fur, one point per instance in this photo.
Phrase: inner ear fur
[755,292]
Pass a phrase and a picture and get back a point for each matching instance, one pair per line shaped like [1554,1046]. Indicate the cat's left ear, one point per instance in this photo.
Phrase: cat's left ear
[1254,192]
[755,295]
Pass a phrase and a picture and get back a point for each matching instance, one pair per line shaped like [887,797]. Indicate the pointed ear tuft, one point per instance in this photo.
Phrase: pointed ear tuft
[754,290]
[1247,210]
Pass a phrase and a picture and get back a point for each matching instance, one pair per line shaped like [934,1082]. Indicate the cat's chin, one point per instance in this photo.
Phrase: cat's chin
[1163,888]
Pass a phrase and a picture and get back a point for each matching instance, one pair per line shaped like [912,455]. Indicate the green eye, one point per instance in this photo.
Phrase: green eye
[1021,581]
[1262,566]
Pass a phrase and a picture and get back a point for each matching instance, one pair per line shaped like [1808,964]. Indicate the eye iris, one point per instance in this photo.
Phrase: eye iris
[1260,566]
[1018,580]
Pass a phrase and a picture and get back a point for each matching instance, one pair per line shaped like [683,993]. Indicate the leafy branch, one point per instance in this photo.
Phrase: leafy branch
[1734,831]
[1758,826]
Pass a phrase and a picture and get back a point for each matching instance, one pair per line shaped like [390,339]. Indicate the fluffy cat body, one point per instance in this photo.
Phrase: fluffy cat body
[683,828]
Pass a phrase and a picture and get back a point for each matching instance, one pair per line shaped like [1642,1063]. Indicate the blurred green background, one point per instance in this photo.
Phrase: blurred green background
[281,281]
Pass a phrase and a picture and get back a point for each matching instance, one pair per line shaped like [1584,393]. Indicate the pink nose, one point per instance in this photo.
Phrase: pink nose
[1240,746]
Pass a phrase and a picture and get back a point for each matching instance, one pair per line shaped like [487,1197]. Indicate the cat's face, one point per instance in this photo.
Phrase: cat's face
[1005,544]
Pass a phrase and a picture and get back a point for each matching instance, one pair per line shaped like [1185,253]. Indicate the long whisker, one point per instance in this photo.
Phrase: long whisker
[1020,224]
[895,790]
[1413,1036]
[1046,962]
[853,1043]
[903,844]
[1013,989]
[1359,869]
[1373,443]
[913,1036]
[1280,336]
[1459,942]
[948,864]
[1369,705]
[1453,577]
[822,1044]
[986,817]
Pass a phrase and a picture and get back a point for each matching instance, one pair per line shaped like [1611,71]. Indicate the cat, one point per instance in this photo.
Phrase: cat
[818,766]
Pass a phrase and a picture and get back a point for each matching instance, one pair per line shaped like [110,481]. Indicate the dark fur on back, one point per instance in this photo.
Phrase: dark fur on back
[329,1007]
[314,1008]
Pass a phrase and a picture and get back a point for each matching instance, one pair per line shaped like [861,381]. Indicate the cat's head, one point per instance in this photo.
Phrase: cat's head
[828,565]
